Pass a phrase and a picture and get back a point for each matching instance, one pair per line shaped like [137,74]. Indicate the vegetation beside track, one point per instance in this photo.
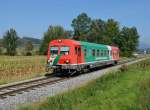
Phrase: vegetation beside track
[15,68]
[126,89]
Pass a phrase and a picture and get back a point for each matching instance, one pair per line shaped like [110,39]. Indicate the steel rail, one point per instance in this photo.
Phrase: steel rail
[21,87]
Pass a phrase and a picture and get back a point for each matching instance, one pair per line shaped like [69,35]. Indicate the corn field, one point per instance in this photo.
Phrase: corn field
[14,68]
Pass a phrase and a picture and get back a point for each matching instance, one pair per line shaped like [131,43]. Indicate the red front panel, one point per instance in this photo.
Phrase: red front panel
[74,56]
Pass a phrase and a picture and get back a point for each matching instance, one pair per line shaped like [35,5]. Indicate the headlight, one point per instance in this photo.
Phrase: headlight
[67,61]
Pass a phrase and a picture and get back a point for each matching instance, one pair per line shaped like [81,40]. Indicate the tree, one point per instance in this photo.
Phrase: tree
[69,34]
[1,51]
[81,26]
[53,32]
[10,41]
[105,32]
[112,31]
[1,42]
[29,48]
[128,41]
[97,31]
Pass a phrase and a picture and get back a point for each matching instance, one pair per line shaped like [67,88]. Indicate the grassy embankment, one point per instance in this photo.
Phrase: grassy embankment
[17,68]
[127,89]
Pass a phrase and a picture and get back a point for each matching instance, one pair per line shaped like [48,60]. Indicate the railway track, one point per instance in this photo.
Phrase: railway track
[13,89]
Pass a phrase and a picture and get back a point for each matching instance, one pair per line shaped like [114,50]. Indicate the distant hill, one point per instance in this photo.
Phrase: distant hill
[33,40]
[24,40]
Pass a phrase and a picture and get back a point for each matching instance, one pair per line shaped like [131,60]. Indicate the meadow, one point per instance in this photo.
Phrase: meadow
[16,68]
[125,89]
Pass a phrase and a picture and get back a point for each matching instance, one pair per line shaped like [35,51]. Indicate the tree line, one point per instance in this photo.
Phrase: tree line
[97,31]
[85,28]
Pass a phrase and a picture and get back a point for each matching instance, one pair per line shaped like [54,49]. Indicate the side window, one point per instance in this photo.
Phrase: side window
[79,51]
[104,52]
[85,52]
[93,52]
[101,53]
[97,52]
[107,52]
[76,50]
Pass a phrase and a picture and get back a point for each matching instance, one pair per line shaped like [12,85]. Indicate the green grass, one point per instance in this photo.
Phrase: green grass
[123,90]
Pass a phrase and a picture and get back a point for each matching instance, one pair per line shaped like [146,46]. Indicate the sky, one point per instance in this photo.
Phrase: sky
[32,17]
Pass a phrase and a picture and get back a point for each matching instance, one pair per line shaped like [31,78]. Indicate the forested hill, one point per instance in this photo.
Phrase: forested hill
[23,41]
[33,40]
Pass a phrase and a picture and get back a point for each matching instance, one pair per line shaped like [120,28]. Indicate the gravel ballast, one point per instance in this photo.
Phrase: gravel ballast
[37,94]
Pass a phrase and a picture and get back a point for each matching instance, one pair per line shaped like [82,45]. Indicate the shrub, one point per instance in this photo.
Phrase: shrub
[124,68]
[0,51]
[28,54]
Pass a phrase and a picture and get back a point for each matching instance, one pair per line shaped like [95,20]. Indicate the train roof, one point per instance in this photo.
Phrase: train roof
[64,42]
[91,44]
[74,42]
[96,45]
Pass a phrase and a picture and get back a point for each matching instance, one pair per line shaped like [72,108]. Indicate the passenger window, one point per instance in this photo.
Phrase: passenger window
[84,52]
[104,52]
[101,53]
[97,52]
[93,52]
[107,52]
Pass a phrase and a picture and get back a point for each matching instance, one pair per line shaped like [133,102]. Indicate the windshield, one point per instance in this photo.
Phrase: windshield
[54,50]
[64,50]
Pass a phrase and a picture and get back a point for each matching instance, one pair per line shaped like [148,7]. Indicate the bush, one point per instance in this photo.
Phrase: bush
[0,51]
[28,54]
[124,68]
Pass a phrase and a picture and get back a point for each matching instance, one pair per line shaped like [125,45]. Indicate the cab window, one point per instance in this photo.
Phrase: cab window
[54,50]
[64,50]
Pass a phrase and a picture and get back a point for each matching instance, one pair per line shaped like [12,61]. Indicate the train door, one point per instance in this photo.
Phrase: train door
[78,53]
